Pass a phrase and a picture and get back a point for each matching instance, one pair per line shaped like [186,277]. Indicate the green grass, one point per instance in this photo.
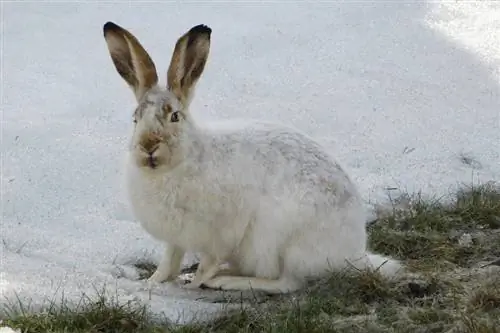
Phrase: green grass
[91,315]
[449,286]
[431,230]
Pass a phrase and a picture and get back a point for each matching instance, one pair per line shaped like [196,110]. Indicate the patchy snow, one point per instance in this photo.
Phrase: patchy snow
[401,93]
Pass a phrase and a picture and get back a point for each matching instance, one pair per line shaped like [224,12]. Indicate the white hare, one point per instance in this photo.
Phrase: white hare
[264,198]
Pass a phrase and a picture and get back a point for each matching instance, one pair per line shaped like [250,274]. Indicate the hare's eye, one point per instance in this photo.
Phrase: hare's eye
[174,117]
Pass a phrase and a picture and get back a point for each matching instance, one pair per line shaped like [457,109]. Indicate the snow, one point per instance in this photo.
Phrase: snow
[398,91]
[6,329]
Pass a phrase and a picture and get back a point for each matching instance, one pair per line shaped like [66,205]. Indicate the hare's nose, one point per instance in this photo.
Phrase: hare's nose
[150,150]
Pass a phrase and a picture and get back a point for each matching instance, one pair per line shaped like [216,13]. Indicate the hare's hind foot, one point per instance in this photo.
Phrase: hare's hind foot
[282,285]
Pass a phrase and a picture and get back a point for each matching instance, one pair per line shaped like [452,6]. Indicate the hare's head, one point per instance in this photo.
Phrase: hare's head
[161,117]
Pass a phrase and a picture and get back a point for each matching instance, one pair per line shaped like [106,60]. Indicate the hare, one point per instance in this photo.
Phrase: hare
[264,198]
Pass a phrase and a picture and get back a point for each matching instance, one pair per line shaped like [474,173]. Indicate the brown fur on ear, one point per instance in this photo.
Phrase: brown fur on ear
[131,60]
[188,62]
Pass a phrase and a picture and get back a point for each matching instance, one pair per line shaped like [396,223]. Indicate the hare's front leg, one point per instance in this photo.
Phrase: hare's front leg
[170,264]
[208,268]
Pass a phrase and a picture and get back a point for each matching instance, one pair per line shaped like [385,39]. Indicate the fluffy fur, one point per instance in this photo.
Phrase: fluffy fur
[263,197]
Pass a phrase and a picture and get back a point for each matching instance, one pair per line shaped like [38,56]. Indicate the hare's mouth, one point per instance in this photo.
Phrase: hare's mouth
[152,162]
[149,162]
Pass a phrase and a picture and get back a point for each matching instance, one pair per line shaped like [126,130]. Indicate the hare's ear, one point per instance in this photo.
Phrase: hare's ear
[188,61]
[131,60]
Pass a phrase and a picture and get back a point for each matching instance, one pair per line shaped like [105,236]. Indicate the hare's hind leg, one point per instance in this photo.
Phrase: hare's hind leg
[284,284]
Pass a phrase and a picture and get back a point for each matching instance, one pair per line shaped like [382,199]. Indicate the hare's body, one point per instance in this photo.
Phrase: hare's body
[258,196]
[264,198]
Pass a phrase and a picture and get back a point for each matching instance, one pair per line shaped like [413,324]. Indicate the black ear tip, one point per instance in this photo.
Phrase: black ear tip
[201,29]
[110,26]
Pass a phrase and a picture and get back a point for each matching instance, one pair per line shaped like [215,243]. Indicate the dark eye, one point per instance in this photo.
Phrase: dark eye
[174,117]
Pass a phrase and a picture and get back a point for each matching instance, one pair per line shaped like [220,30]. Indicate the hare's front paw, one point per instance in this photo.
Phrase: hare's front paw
[159,276]
[192,285]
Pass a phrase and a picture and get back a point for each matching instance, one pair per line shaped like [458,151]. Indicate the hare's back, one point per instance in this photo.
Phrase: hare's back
[276,155]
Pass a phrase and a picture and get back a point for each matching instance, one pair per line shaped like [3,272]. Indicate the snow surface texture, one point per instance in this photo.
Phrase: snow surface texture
[401,93]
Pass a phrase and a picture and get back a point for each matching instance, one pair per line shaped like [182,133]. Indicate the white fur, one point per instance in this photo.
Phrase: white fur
[265,198]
